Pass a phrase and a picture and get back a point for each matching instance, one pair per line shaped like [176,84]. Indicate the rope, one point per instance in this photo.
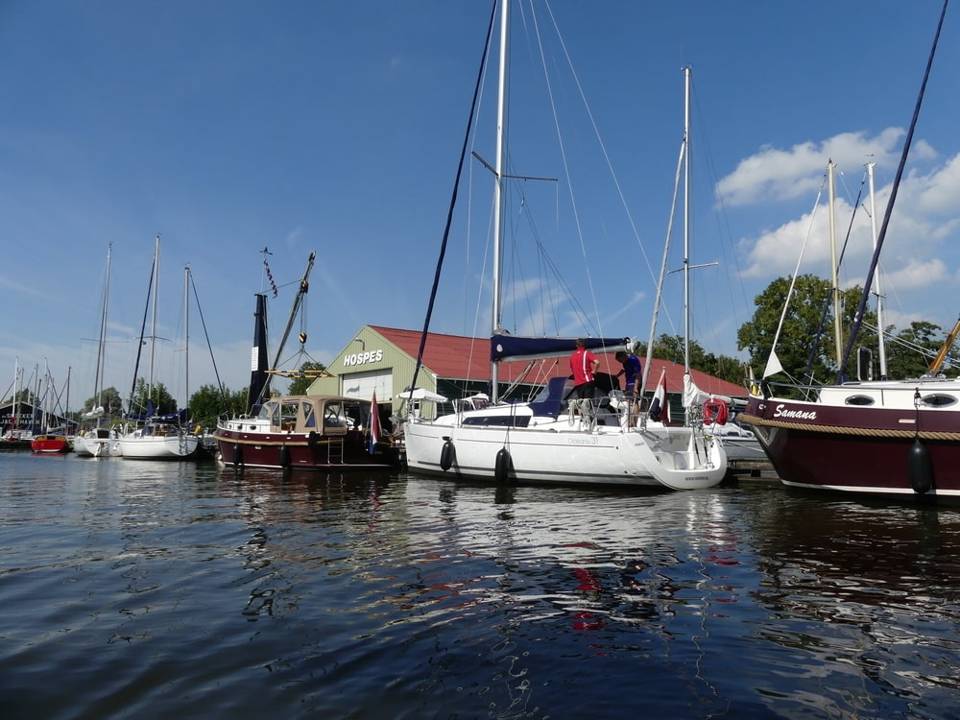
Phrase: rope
[848,430]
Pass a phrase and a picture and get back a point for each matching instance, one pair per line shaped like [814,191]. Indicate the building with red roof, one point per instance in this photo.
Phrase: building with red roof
[382,360]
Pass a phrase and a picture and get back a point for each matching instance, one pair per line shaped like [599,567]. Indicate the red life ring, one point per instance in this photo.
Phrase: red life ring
[715,411]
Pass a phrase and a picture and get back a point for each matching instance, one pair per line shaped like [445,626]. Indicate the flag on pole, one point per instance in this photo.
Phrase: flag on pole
[660,407]
[374,424]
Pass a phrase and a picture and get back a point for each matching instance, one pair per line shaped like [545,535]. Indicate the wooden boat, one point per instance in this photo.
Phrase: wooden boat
[304,431]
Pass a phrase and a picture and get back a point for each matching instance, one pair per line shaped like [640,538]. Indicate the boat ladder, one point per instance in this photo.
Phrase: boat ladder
[335,451]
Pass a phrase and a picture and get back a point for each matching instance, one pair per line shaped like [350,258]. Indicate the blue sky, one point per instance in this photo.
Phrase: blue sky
[226,127]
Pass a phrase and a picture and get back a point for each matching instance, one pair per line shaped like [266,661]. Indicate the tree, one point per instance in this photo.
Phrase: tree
[670,347]
[807,328]
[208,403]
[109,398]
[299,385]
[163,402]
[906,362]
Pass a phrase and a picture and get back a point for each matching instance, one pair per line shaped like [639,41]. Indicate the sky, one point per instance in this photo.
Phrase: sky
[336,127]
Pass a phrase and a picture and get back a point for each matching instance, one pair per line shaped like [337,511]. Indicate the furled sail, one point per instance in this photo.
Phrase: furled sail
[513,347]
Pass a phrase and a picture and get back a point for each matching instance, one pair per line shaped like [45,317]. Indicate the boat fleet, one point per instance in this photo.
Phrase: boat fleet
[891,437]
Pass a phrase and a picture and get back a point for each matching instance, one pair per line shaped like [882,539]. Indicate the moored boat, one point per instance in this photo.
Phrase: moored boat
[50,444]
[301,431]
[863,437]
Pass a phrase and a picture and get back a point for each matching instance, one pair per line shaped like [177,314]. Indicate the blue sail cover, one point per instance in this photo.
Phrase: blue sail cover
[512,347]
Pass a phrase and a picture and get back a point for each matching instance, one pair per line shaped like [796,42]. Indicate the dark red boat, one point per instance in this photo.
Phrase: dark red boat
[893,437]
[301,431]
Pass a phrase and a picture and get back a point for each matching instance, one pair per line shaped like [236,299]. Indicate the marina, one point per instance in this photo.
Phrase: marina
[185,589]
[534,432]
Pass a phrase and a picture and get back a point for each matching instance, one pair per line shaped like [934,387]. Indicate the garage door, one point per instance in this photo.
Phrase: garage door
[361,385]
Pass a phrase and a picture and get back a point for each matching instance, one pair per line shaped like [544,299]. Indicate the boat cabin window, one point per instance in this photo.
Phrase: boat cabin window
[938,400]
[270,411]
[333,416]
[309,418]
[288,415]
[859,400]
[356,413]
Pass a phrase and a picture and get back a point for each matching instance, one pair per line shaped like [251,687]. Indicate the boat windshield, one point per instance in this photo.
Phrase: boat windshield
[270,411]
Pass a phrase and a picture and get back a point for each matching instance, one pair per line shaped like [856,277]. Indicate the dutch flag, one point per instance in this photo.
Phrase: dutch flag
[660,407]
[374,424]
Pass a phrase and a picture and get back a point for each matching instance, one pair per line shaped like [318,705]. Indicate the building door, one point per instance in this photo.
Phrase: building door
[361,385]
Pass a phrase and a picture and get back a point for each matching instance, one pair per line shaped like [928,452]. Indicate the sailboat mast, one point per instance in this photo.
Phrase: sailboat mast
[498,192]
[186,335]
[686,219]
[834,285]
[153,330]
[876,282]
[101,360]
[16,391]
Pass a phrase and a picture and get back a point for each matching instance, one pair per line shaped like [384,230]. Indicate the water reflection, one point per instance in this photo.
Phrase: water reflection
[190,588]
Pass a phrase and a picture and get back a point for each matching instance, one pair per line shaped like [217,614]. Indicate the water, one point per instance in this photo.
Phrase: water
[143,590]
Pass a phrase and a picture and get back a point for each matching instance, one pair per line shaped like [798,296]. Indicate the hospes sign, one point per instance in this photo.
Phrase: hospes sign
[362,358]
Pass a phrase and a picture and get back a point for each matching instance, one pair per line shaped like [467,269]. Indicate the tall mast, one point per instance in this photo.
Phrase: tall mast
[16,391]
[686,220]
[101,359]
[153,330]
[498,191]
[186,335]
[834,285]
[66,406]
[876,282]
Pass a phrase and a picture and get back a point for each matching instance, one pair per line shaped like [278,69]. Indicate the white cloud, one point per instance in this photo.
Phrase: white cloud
[8,284]
[915,274]
[778,174]
[927,212]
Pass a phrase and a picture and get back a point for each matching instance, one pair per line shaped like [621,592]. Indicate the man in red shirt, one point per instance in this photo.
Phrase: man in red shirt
[583,364]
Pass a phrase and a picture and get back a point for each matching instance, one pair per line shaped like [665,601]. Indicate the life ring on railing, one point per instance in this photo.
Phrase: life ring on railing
[715,411]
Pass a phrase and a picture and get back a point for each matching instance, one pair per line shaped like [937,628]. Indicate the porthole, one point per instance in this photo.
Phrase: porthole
[859,400]
[938,400]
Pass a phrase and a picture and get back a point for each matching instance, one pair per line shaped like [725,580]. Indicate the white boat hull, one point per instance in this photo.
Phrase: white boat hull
[96,446]
[561,453]
[158,447]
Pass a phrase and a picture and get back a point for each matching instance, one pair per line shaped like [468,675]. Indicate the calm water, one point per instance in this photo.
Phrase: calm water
[156,590]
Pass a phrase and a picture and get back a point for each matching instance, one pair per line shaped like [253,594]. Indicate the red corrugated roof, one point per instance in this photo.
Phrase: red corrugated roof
[458,357]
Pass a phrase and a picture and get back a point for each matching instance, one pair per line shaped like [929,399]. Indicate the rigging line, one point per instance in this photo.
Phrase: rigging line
[143,327]
[603,148]
[453,201]
[793,280]
[868,283]
[566,165]
[203,324]
[720,211]
[544,254]
[821,326]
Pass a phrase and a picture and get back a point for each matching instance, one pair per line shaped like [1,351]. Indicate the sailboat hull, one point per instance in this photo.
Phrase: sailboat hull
[856,449]
[566,455]
[154,447]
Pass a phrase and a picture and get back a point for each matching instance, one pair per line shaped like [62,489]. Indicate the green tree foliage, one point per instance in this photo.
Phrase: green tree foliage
[298,386]
[810,310]
[163,402]
[207,404]
[905,362]
[109,398]
[670,347]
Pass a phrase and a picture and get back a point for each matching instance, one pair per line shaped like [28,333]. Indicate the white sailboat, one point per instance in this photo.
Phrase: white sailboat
[590,441]
[161,437]
[99,441]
